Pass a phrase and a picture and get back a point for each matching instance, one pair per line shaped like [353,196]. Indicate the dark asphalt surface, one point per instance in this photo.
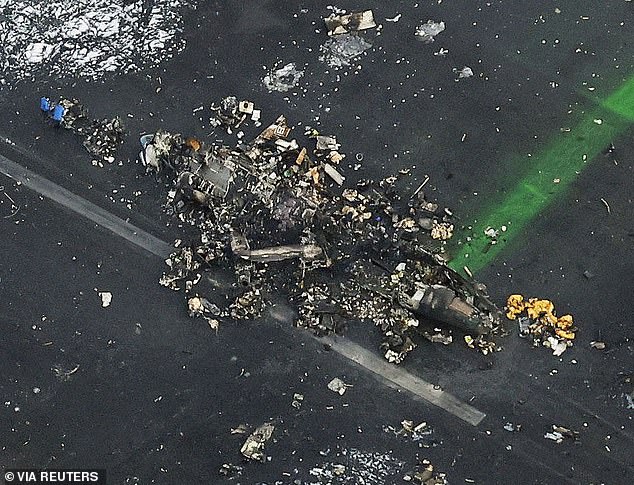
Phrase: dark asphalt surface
[157,394]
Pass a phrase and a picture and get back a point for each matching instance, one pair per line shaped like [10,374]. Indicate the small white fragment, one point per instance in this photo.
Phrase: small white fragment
[555,436]
[558,346]
[463,73]
[106,298]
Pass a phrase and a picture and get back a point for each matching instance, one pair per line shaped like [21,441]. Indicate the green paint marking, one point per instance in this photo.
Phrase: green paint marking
[562,160]
[622,101]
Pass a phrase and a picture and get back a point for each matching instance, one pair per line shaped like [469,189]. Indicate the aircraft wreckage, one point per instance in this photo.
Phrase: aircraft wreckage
[282,218]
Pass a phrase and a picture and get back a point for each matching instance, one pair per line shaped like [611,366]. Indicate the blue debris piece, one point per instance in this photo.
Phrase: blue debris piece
[45,104]
[58,113]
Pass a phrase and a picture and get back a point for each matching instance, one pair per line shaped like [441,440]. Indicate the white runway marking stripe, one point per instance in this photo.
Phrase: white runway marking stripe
[389,373]
[84,208]
[396,375]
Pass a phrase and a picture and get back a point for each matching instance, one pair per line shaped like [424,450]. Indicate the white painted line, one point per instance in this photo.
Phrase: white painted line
[430,393]
[84,208]
[389,373]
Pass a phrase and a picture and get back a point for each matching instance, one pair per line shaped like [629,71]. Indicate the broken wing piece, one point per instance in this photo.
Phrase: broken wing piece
[342,24]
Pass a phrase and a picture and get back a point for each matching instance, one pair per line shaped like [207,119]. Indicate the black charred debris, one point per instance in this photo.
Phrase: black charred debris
[281,218]
[101,138]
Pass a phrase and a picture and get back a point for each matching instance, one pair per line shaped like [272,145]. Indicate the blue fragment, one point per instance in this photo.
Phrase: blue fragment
[58,113]
[45,104]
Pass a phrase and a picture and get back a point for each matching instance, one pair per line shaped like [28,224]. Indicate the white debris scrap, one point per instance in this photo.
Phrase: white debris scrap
[464,72]
[338,386]
[106,298]
[429,30]
[557,346]
[559,433]
[283,79]
[555,436]
[334,174]
[87,37]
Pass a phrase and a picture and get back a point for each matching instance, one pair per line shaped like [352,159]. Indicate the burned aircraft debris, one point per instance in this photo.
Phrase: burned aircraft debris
[420,433]
[536,317]
[425,474]
[101,138]
[345,23]
[253,447]
[202,307]
[281,217]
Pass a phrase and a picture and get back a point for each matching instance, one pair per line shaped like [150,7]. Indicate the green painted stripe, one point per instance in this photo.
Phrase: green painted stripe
[562,159]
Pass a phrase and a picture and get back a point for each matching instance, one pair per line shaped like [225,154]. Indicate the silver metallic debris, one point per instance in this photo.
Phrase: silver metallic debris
[240,248]
[438,337]
[298,400]
[253,447]
[424,474]
[334,174]
[63,373]
[361,467]
[559,433]
[202,307]
[88,38]
[229,470]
